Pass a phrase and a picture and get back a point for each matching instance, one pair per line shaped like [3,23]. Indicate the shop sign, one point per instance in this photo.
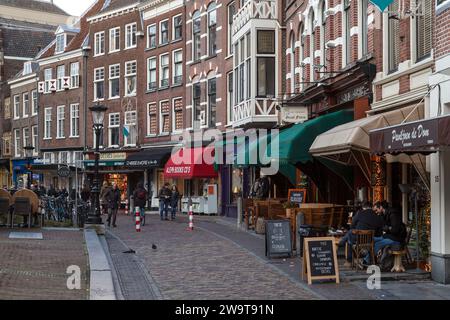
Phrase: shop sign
[353,94]
[105,163]
[178,170]
[294,114]
[412,135]
[113,156]
[142,163]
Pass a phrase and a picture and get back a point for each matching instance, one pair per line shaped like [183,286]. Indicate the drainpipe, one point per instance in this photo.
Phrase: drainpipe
[85,103]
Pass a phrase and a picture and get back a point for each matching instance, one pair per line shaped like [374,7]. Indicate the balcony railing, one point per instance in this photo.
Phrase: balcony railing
[259,110]
[254,9]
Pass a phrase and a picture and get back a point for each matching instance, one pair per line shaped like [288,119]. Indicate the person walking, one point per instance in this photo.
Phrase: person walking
[140,199]
[103,194]
[164,196]
[86,193]
[114,204]
[174,199]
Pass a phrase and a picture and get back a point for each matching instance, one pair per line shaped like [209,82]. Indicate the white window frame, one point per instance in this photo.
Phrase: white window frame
[161,122]
[174,130]
[113,77]
[230,97]
[129,75]
[161,71]
[173,27]
[35,139]
[48,156]
[47,123]
[34,103]
[126,144]
[208,28]
[155,34]
[60,77]
[60,122]
[48,75]
[74,75]
[24,140]
[59,50]
[230,46]
[74,120]
[99,43]
[60,157]
[174,69]
[116,117]
[149,73]
[25,114]
[160,32]
[16,107]
[114,43]
[96,81]
[196,16]
[129,35]
[17,140]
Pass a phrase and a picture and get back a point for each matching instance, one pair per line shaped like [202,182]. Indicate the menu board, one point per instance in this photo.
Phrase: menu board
[297,196]
[320,259]
[278,238]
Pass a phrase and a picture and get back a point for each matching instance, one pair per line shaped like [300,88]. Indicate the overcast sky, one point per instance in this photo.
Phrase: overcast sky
[74,7]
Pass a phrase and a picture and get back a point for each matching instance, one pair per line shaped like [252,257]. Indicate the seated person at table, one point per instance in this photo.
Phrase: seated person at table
[394,229]
[366,219]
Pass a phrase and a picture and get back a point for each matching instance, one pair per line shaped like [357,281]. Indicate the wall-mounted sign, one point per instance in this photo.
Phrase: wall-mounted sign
[64,171]
[113,156]
[294,114]
[411,135]
[297,196]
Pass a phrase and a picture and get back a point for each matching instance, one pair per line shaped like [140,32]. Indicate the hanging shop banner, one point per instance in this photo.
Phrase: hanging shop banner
[382,4]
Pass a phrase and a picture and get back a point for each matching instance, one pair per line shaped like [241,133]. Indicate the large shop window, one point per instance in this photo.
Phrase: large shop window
[114,130]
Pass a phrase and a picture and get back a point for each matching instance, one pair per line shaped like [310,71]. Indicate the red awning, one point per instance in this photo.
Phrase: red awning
[188,163]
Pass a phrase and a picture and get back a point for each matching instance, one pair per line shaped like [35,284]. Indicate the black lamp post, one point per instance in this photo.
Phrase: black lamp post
[98,116]
[29,155]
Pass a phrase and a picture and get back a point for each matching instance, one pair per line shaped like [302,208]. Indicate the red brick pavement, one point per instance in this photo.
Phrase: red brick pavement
[36,269]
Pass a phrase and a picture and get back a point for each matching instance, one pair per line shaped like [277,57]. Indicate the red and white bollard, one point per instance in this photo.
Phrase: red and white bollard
[191,219]
[138,219]
[126,207]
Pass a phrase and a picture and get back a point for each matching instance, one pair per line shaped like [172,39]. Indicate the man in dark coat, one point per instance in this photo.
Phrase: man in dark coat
[164,195]
[140,198]
[114,204]
[394,230]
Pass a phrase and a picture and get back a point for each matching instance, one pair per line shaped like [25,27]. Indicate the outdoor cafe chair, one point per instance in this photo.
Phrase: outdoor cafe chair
[22,207]
[5,209]
[363,242]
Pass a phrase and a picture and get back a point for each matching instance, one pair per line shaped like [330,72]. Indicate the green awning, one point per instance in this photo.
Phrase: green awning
[296,141]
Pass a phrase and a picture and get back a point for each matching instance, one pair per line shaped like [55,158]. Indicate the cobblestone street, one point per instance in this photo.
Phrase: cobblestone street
[36,269]
[201,265]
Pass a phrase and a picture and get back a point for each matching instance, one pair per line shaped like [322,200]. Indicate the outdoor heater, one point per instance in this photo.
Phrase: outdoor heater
[98,117]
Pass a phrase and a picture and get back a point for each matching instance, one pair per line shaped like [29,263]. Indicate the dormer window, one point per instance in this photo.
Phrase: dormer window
[60,43]
[27,69]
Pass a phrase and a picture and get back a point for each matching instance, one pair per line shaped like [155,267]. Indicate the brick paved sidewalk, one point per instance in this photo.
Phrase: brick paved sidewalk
[36,269]
[200,265]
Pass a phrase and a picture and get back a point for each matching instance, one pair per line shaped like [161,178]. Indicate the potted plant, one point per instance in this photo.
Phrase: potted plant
[289,206]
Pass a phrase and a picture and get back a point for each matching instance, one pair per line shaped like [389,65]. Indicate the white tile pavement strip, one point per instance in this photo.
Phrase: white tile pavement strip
[101,281]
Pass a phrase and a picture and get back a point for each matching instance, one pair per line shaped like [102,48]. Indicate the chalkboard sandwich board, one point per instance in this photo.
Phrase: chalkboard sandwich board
[320,259]
[297,196]
[278,238]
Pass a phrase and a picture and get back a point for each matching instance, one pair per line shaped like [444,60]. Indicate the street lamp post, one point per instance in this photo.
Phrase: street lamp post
[98,116]
[29,155]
